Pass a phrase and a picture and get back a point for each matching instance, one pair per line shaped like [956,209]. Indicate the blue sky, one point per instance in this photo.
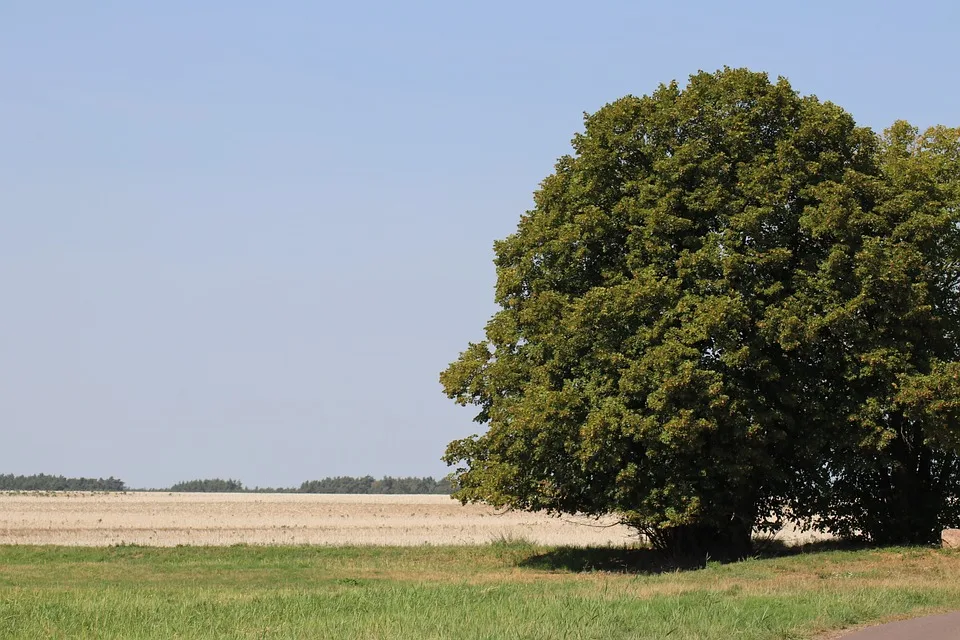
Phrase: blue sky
[241,239]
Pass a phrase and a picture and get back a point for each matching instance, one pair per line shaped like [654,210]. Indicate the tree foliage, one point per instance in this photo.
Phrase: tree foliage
[888,315]
[729,306]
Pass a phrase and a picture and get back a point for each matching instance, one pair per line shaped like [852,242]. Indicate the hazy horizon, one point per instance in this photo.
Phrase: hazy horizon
[242,241]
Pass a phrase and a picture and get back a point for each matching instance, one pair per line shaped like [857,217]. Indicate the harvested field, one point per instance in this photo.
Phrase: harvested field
[170,519]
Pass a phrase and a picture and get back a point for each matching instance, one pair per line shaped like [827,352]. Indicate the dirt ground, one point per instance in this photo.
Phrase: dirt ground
[169,519]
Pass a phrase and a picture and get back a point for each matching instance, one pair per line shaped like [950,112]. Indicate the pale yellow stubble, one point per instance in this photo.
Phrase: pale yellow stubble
[165,519]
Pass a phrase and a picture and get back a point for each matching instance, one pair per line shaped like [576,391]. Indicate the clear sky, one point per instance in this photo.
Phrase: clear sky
[242,238]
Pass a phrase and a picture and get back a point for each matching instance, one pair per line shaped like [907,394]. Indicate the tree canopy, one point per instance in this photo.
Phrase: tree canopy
[730,306]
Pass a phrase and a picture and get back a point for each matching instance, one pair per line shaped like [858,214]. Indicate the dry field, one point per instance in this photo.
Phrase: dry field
[170,519]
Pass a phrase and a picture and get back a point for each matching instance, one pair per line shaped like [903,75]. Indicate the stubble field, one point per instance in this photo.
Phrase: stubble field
[170,519]
[208,519]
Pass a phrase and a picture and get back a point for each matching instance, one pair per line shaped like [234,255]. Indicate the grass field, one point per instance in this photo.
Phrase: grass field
[501,590]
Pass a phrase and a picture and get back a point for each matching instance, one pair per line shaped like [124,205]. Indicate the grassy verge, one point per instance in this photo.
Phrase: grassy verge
[510,590]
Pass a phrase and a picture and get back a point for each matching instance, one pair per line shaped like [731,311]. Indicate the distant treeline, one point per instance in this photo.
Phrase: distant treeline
[213,485]
[367,484]
[339,484]
[43,482]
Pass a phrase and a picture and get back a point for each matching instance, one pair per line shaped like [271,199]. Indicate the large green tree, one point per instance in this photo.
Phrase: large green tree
[728,305]
[885,312]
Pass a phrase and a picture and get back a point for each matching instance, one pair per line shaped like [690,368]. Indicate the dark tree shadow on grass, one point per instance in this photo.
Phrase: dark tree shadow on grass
[611,559]
[639,560]
[780,549]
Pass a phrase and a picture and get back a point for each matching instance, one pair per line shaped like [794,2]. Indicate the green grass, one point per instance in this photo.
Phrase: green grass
[506,590]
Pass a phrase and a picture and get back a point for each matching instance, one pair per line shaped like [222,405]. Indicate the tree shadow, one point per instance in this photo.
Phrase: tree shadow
[780,549]
[611,559]
[640,560]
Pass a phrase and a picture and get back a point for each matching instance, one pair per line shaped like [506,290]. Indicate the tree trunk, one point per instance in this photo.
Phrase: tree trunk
[913,499]
[732,542]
